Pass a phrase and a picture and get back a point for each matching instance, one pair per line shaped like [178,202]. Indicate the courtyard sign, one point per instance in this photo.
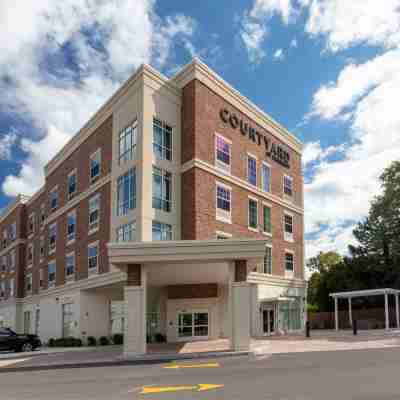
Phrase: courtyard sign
[273,150]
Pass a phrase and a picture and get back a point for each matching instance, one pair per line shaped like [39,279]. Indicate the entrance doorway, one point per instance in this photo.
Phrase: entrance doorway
[193,325]
[268,321]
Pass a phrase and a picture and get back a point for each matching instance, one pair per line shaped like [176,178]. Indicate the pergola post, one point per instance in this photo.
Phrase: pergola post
[350,313]
[386,312]
[336,314]
[397,310]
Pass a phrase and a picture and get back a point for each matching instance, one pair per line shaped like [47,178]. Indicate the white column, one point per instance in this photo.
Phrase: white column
[350,313]
[336,314]
[397,311]
[135,325]
[386,312]
[240,316]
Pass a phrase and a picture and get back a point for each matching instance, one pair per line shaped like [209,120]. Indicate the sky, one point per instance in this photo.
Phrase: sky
[328,70]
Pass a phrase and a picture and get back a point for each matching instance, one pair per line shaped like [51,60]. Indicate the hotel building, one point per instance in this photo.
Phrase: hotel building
[176,210]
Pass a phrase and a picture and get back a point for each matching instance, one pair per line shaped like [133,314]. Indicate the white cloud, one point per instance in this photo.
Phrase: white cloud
[279,55]
[108,40]
[340,191]
[347,23]
[6,144]
[313,152]
[254,25]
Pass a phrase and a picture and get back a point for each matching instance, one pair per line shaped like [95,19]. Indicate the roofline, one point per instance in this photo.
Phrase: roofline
[18,200]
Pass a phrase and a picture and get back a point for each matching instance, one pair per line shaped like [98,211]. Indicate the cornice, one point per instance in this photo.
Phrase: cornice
[198,70]
[275,280]
[197,163]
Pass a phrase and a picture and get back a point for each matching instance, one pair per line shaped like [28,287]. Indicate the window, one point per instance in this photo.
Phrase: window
[28,283]
[3,263]
[71,226]
[265,177]
[253,214]
[162,140]
[12,260]
[54,199]
[51,274]
[31,224]
[52,237]
[288,227]
[68,320]
[126,192]
[161,189]
[12,287]
[93,255]
[127,232]
[95,165]
[70,266]
[222,153]
[267,226]
[41,278]
[252,170]
[41,247]
[2,289]
[4,241]
[30,253]
[42,215]
[127,143]
[161,231]
[288,185]
[223,203]
[72,184]
[94,213]
[12,231]
[268,260]
[289,262]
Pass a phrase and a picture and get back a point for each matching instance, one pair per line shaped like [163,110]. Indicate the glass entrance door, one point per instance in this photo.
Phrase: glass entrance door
[193,325]
[269,321]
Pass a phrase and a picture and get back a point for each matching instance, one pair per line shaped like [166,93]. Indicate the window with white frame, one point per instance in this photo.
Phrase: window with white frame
[52,237]
[42,215]
[253,214]
[222,153]
[54,199]
[267,224]
[70,266]
[29,256]
[162,189]
[161,231]
[72,184]
[12,287]
[31,224]
[268,261]
[28,283]
[93,257]
[127,143]
[94,212]
[51,273]
[12,231]
[265,177]
[126,192]
[41,247]
[223,200]
[288,185]
[252,170]
[95,165]
[162,140]
[71,226]
[289,262]
[127,232]
[288,227]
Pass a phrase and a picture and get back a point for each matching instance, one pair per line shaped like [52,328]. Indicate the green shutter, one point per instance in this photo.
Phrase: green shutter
[267,219]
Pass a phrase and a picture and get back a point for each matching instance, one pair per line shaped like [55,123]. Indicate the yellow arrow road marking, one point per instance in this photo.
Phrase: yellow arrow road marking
[201,387]
[178,366]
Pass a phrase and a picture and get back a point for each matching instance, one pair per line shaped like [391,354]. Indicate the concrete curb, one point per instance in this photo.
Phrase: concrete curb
[147,360]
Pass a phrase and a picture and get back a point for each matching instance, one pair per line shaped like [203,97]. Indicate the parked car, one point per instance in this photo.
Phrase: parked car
[9,340]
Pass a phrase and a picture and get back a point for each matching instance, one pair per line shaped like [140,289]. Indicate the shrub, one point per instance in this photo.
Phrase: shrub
[50,343]
[118,338]
[104,341]
[91,341]
[160,338]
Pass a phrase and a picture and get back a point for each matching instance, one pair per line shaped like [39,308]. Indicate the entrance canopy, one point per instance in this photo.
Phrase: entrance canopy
[364,293]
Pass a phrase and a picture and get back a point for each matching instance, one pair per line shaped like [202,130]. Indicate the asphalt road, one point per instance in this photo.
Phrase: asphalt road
[359,374]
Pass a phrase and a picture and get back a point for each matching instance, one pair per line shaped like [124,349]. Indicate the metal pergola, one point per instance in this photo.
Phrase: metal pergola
[363,293]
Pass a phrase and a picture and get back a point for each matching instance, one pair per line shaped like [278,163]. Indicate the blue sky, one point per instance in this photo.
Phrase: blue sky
[326,69]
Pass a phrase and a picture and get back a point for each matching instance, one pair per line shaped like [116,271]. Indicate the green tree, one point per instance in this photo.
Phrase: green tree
[324,261]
